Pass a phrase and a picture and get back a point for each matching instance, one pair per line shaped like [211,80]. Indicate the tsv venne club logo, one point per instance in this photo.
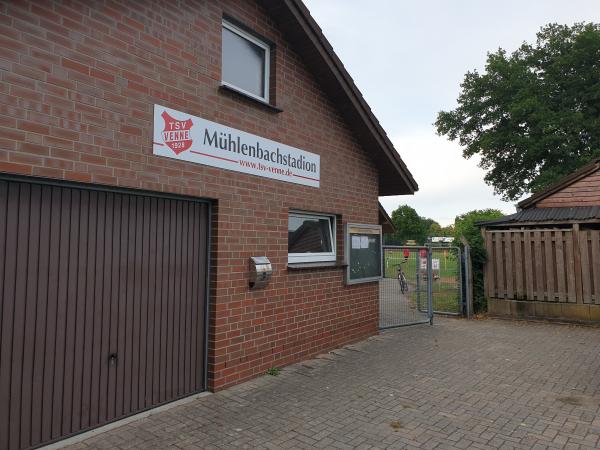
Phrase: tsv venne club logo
[176,133]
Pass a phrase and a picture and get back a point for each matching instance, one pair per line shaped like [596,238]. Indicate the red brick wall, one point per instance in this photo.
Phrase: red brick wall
[77,88]
[584,192]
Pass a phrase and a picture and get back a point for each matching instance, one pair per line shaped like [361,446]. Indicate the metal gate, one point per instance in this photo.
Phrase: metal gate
[419,282]
[446,280]
[102,306]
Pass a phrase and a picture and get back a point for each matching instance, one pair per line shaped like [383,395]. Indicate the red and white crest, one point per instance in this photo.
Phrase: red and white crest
[176,133]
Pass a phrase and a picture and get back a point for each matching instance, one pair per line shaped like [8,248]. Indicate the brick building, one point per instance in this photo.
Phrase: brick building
[126,227]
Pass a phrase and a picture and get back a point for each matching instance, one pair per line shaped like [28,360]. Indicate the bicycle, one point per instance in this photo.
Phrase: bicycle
[402,278]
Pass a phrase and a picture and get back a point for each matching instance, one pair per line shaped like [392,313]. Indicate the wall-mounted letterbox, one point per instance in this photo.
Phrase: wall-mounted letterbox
[260,271]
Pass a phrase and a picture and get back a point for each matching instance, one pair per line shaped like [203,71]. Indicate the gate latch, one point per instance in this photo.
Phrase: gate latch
[112,359]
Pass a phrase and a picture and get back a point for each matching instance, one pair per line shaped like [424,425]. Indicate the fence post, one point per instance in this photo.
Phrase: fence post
[418,290]
[577,262]
[487,279]
[468,277]
[468,282]
[459,257]
[430,284]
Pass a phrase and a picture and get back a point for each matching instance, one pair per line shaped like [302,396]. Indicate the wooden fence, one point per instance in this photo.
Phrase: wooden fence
[544,265]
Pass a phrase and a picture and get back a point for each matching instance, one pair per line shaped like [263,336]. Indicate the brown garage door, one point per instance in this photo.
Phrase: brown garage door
[102,310]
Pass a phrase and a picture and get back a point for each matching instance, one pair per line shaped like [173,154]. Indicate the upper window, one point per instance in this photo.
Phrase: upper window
[245,62]
[311,238]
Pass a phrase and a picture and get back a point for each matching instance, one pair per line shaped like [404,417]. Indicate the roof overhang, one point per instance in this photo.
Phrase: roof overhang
[308,40]
[387,226]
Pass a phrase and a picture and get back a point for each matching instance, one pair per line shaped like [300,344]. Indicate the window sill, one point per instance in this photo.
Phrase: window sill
[235,92]
[316,265]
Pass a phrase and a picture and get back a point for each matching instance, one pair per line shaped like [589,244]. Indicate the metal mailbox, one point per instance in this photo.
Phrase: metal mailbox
[260,271]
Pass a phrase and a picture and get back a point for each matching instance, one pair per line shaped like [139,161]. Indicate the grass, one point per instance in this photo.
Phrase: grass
[444,300]
[446,295]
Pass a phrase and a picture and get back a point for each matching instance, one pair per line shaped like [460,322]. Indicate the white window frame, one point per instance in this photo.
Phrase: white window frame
[245,35]
[299,258]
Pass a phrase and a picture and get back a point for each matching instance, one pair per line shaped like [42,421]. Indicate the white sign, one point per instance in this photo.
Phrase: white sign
[189,138]
[435,264]
[355,242]
[364,242]
[444,239]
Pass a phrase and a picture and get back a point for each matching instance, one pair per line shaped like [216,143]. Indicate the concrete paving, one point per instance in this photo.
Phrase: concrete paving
[460,384]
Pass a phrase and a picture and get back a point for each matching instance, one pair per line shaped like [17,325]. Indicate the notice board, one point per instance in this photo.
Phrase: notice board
[363,253]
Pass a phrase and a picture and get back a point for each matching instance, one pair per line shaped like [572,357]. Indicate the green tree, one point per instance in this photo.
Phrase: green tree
[448,231]
[430,226]
[409,225]
[437,230]
[534,115]
[466,225]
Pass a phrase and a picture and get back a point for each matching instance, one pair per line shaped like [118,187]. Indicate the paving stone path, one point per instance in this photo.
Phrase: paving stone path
[459,384]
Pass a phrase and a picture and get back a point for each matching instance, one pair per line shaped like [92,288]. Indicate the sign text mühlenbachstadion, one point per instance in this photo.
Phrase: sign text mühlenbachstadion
[181,136]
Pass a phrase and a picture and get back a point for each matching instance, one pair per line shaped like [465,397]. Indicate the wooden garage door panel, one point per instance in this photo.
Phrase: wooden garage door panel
[84,275]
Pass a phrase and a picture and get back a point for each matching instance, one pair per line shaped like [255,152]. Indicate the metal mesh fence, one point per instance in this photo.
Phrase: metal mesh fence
[446,280]
[403,291]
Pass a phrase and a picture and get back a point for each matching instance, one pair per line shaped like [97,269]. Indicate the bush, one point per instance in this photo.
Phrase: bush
[465,225]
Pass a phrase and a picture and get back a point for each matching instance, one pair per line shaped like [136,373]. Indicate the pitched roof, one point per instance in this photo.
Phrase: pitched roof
[561,184]
[301,29]
[387,226]
[548,215]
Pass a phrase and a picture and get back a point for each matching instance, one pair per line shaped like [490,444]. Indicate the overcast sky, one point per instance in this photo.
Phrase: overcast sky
[408,58]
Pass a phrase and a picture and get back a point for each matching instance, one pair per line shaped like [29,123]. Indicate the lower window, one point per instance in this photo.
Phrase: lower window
[311,237]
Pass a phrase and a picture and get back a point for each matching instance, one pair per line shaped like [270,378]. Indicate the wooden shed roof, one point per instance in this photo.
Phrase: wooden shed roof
[561,184]
[548,215]
[578,192]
